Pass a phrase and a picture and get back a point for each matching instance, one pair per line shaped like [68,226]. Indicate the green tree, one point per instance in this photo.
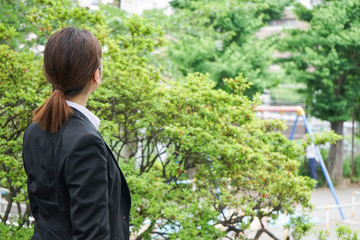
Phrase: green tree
[326,58]
[218,37]
[13,13]
[164,135]
[21,87]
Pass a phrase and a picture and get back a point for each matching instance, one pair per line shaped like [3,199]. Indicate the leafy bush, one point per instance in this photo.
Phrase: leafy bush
[300,226]
[21,89]
[347,167]
[12,232]
[163,134]
[345,233]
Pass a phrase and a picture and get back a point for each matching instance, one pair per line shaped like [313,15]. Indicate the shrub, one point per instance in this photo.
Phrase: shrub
[345,233]
[160,131]
[347,167]
[12,232]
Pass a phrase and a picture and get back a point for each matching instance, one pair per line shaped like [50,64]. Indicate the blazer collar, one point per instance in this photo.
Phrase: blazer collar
[81,116]
[93,119]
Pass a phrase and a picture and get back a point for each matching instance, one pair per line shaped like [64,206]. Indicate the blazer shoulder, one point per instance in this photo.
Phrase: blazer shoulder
[32,132]
[32,126]
[78,130]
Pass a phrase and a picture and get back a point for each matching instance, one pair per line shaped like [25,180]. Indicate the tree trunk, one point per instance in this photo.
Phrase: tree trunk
[335,163]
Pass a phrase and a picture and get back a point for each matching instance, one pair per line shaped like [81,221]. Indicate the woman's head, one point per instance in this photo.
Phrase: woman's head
[71,59]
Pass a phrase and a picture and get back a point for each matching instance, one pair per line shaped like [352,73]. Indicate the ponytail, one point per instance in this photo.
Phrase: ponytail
[54,112]
[71,58]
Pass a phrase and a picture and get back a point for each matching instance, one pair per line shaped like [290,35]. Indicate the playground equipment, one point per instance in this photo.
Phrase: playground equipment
[354,194]
[351,205]
[301,113]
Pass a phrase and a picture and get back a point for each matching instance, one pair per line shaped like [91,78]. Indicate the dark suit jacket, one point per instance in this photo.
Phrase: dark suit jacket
[75,186]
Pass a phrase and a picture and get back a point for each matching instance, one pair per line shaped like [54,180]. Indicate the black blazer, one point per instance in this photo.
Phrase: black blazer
[75,186]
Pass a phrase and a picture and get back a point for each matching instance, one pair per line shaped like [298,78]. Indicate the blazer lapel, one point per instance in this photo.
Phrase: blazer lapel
[81,116]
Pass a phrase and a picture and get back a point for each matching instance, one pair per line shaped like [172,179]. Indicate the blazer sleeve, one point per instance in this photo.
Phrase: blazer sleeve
[87,182]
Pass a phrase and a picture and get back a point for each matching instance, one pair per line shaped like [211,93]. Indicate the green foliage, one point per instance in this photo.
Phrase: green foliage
[209,38]
[323,235]
[325,58]
[21,89]
[49,16]
[302,12]
[347,168]
[345,233]
[12,232]
[279,96]
[300,226]
[320,138]
[115,19]
[163,133]
[13,15]
[6,33]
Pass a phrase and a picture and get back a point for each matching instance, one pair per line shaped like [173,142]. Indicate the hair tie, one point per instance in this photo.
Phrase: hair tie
[59,88]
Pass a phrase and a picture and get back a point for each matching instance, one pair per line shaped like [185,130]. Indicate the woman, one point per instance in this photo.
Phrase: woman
[76,188]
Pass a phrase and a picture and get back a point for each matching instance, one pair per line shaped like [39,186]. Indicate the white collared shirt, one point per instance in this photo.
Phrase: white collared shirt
[93,119]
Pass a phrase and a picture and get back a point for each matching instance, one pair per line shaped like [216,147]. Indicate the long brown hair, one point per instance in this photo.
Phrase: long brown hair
[71,58]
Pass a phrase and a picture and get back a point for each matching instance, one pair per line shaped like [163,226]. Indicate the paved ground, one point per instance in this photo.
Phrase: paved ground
[322,197]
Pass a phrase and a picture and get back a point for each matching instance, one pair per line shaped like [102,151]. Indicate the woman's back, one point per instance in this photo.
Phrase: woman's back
[67,172]
[76,188]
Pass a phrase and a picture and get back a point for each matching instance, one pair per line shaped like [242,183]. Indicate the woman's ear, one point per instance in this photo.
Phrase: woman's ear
[97,76]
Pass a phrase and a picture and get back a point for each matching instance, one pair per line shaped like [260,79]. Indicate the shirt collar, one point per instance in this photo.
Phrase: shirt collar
[93,119]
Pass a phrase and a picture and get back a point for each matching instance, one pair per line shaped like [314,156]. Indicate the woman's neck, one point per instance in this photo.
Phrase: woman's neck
[80,99]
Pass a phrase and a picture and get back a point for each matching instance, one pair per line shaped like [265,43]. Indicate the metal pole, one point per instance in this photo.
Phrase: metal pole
[353,202]
[324,169]
[293,129]
[327,218]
